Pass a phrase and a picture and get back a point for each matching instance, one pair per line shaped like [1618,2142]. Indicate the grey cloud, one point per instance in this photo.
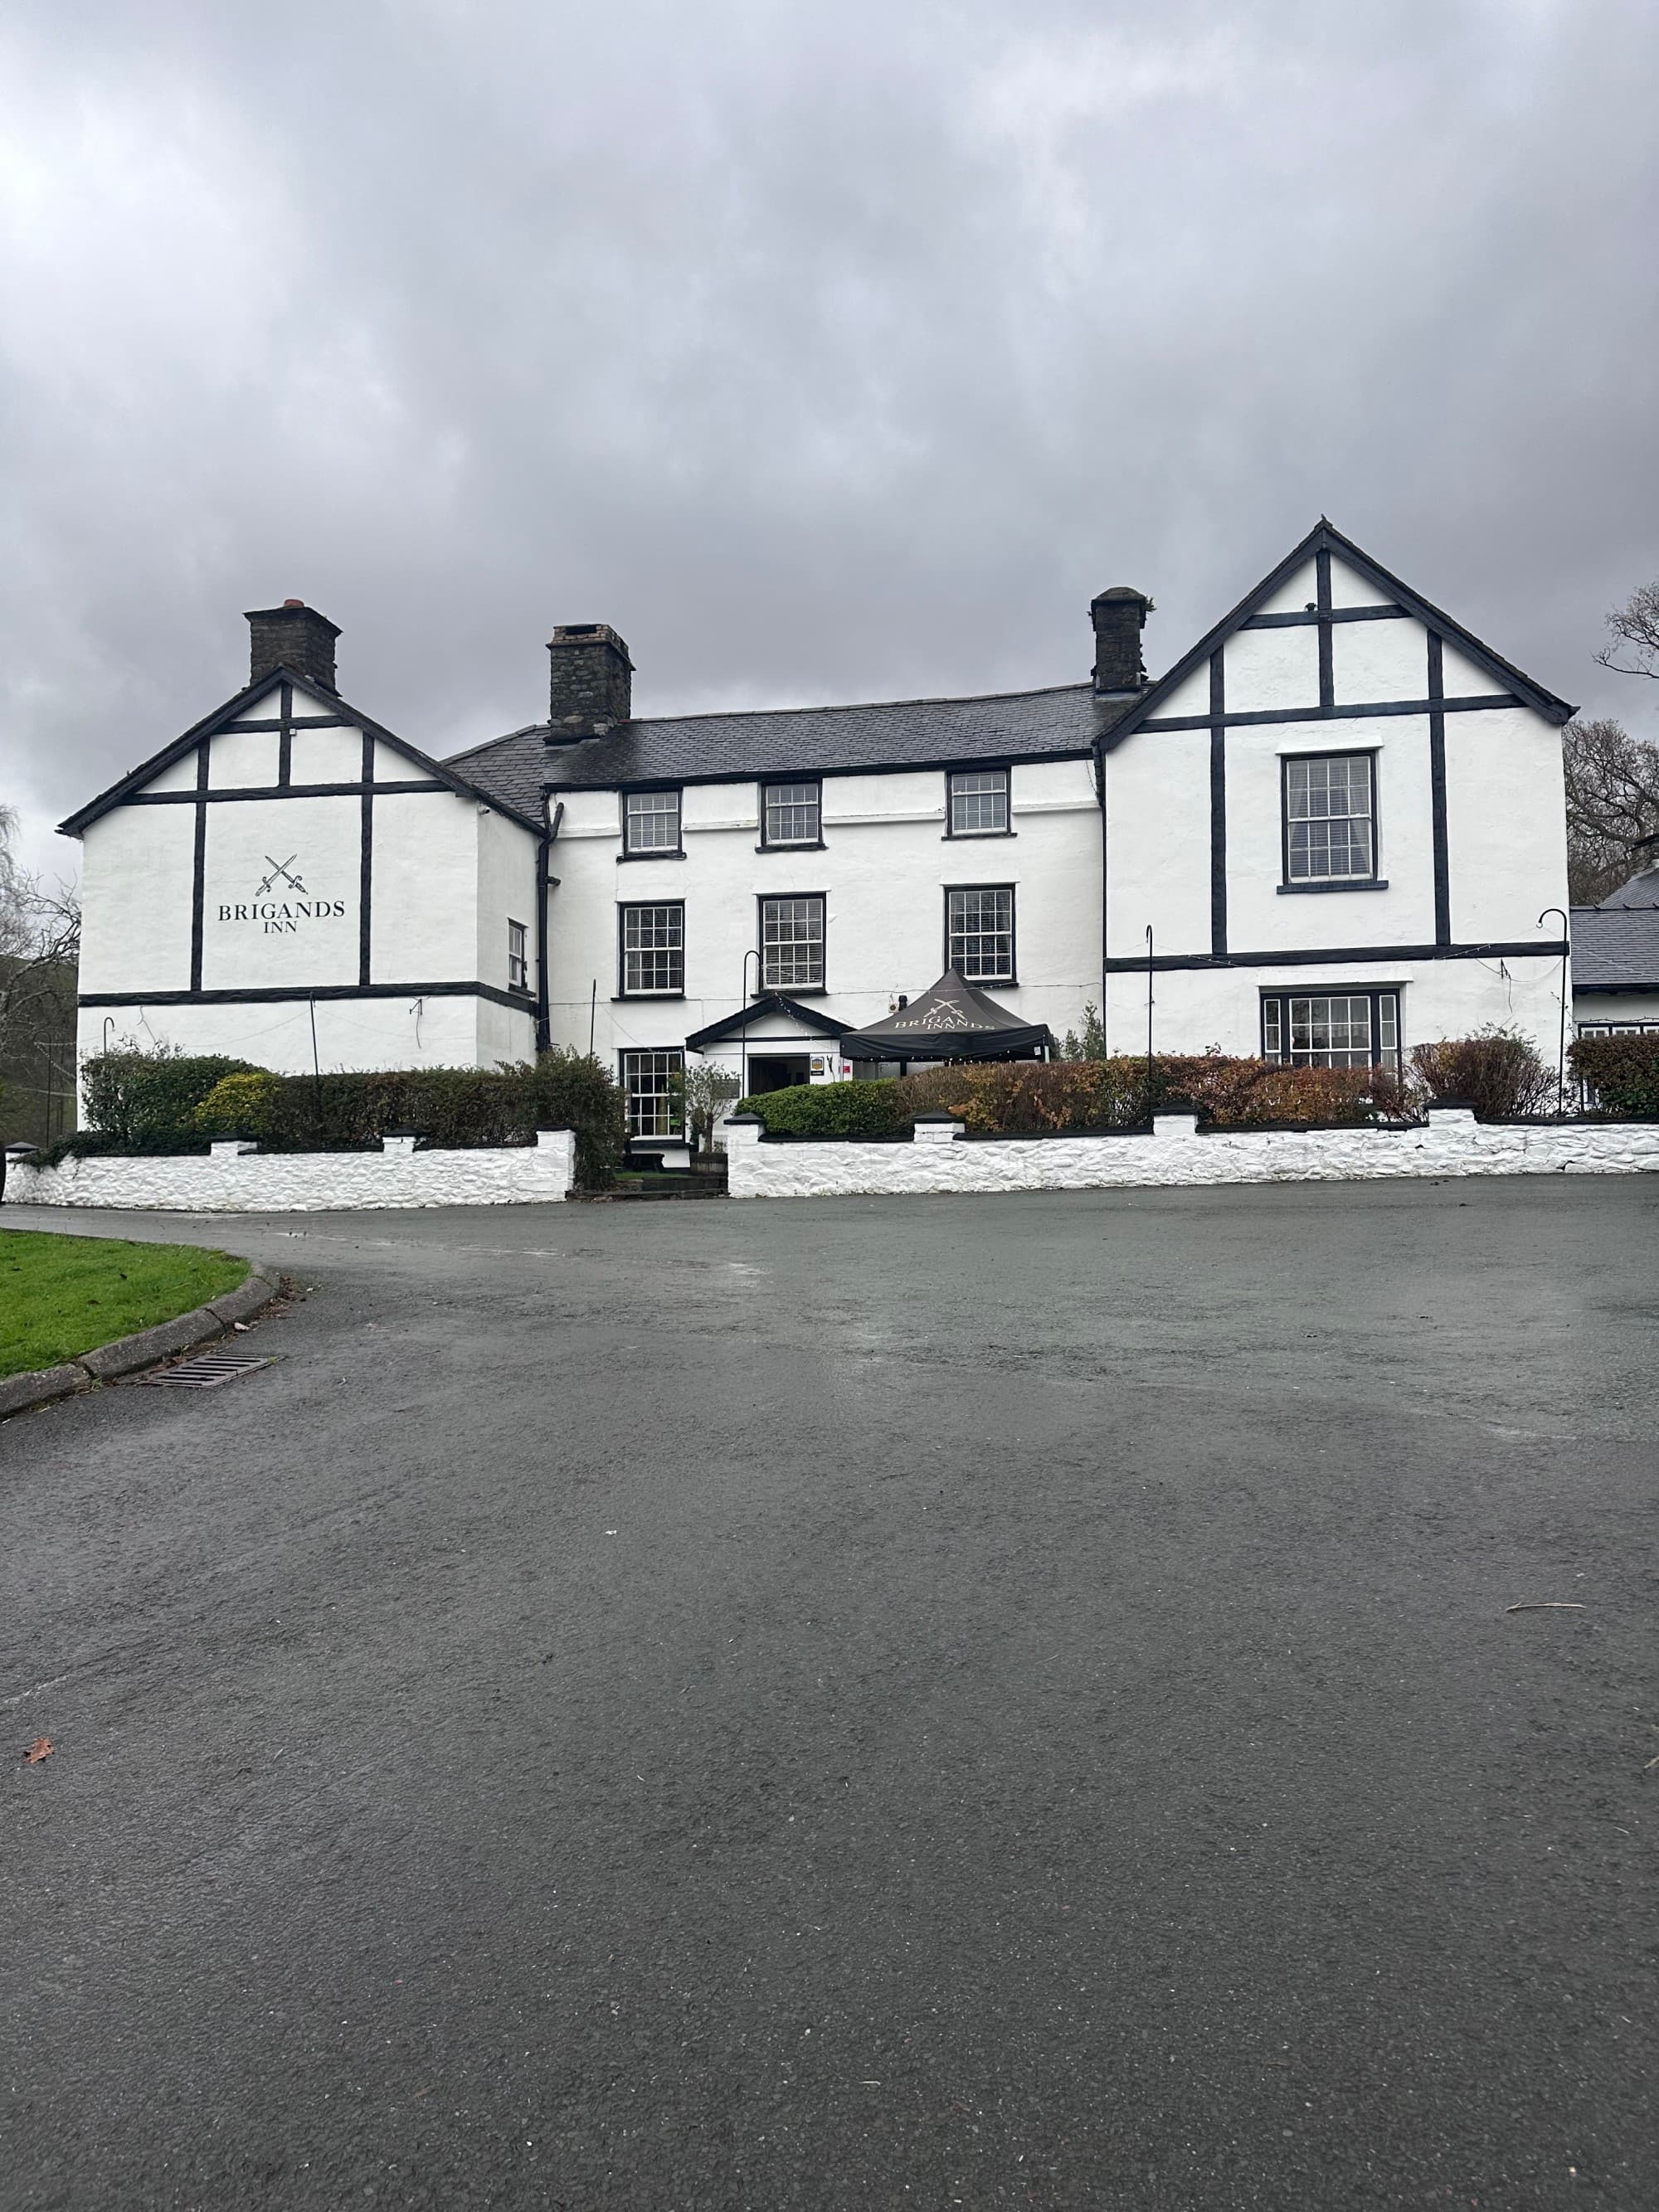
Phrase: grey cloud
[828,353]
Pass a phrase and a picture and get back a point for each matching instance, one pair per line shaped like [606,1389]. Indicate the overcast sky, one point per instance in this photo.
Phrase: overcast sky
[829,352]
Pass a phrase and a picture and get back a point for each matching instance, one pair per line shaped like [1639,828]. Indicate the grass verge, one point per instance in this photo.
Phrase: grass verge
[61,1295]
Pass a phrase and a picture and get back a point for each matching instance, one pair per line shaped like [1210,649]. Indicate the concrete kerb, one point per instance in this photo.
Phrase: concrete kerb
[146,1348]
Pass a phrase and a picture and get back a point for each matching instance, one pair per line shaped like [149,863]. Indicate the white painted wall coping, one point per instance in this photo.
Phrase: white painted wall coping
[235,1177]
[1453,1143]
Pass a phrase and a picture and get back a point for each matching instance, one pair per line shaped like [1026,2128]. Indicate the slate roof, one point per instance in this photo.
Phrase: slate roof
[1642,890]
[1615,948]
[796,741]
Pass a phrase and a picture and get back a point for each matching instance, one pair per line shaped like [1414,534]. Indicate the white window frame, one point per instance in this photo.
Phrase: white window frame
[1287,1013]
[792,924]
[967,931]
[781,816]
[1299,810]
[658,1064]
[518,956]
[979,802]
[648,819]
[669,949]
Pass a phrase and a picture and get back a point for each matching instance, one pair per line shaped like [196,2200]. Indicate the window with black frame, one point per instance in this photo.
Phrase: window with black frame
[978,802]
[791,943]
[1330,819]
[979,933]
[1331,1028]
[791,813]
[653,949]
[651,1085]
[651,822]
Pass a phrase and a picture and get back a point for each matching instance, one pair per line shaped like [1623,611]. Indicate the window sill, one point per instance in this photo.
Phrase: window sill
[643,998]
[794,991]
[1367,884]
[807,845]
[988,983]
[973,837]
[677,855]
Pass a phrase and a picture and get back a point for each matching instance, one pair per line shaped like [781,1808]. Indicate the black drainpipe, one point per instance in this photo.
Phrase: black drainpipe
[544,1028]
[1100,792]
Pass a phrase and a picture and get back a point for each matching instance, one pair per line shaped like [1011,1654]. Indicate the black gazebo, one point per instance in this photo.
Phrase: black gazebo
[950,1021]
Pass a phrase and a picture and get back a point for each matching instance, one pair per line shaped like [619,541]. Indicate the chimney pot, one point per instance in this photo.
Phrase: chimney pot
[1119,617]
[293,635]
[591,681]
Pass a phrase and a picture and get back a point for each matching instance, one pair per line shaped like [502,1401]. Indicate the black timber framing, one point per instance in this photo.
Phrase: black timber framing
[338,716]
[282,994]
[285,736]
[1292,620]
[225,794]
[366,863]
[1334,955]
[1218,803]
[1322,610]
[1259,717]
[198,868]
[1325,537]
[1438,790]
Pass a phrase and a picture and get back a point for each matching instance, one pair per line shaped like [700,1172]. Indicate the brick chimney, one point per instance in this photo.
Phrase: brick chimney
[293,635]
[1119,617]
[592,687]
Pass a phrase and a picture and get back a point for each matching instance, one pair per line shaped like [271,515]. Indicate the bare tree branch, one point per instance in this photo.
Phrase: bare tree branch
[1635,626]
[1612,806]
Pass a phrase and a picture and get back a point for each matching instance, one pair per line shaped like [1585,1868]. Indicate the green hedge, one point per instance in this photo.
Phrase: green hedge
[138,1101]
[147,1100]
[1620,1073]
[1033,1097]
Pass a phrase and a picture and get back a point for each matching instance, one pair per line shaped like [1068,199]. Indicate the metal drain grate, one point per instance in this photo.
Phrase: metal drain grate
[211,1368]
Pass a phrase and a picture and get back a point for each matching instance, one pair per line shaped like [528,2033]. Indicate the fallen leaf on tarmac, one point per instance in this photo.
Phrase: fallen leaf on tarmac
[39,1749]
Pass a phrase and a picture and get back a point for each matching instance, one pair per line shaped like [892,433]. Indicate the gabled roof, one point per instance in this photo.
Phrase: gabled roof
[773,1002]
[1063,723]
[338,708]
[1325,537]
[1615,948]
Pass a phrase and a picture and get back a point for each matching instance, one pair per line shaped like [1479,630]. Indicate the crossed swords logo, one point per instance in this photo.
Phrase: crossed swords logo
[284,869]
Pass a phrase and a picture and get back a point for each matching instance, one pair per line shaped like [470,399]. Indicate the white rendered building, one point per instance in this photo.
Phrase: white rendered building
[1339,816]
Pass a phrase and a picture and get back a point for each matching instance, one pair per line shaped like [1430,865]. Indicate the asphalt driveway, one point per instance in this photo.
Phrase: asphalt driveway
[891,1703]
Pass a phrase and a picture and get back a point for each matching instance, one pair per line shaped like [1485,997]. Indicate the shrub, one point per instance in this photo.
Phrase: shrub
[164,1102]
[239,1106]
[1621,1073]
[831,1109]
[1498,1071]
[149,1099]
[1030,1097]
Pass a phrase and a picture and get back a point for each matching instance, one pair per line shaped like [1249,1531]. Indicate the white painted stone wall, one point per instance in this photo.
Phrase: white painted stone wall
[234,1178]
[941,1160]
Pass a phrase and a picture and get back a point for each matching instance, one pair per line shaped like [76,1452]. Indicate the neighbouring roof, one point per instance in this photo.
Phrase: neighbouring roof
[797,741]
[1642,890]
[951,1020]
[1615,948]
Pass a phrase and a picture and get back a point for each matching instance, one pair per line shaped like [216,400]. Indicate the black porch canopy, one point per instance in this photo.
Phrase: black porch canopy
[950,1021]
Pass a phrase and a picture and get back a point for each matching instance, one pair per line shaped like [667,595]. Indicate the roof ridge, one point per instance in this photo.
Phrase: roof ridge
[748,714]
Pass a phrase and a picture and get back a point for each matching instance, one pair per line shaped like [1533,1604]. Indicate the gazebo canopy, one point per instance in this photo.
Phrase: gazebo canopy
[950,1021]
